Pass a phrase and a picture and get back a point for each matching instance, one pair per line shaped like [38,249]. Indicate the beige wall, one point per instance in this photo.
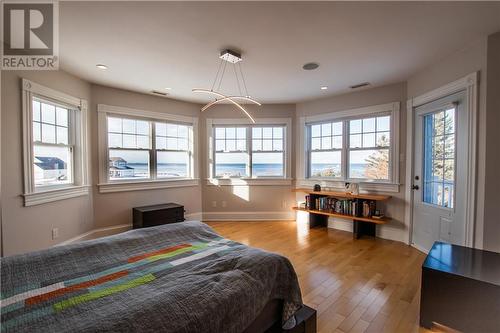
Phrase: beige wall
[30,228]
[265,200]
[395,207]
[471,59]
[116,208]
[491,196]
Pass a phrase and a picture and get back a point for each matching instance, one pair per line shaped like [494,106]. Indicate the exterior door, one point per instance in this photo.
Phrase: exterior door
[440,172]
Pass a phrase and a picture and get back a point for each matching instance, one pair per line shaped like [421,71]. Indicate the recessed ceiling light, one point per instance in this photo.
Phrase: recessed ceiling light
[168,88]
[101,66]
[324,88]
[310,66]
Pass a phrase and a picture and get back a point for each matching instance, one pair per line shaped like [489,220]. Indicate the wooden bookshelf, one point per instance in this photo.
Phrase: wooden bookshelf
[361,225]
[344,216]
[365,196]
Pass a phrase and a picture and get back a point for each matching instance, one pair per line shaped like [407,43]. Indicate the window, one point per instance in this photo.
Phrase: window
[54,145]
[354,145]
[142,149]
[256,151]
[439,158]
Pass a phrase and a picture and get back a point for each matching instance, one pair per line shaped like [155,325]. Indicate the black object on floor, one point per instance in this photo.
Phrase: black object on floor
[150,216]
[461,289]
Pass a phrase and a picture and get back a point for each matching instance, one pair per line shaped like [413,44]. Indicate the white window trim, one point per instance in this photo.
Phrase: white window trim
[80,186]
[301,149]
[264,181]
[106,186]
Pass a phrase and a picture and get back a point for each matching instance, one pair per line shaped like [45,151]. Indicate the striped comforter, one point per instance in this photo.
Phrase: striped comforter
[175,278]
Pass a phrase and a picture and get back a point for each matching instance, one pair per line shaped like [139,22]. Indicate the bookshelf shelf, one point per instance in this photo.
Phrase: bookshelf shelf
[344,216]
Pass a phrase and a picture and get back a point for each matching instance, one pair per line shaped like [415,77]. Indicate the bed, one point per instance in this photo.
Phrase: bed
[179,277]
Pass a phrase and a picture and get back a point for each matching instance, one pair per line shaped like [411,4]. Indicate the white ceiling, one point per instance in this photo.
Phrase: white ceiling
[156,45]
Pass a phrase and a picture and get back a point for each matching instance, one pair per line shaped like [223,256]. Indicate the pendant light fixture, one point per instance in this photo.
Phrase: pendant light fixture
[234,58]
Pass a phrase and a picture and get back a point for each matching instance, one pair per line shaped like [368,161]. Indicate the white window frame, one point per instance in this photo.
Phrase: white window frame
[42,194]
[259,122]
[106,185]
[302,163]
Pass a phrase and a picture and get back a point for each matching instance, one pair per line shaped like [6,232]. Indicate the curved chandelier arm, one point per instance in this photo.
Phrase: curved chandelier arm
[248,99]
[227,99]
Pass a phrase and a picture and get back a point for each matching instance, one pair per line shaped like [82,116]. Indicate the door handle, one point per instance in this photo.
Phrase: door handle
[415,187]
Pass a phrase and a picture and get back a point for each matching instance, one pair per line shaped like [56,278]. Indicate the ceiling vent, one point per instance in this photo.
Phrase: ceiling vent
[159,93]
[356,86]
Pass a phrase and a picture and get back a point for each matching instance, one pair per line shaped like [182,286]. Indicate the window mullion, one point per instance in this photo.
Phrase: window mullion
[345,146]
[249,151]
[153,168]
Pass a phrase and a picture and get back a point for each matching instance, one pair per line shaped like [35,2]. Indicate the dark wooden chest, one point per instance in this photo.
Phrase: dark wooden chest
[150,216]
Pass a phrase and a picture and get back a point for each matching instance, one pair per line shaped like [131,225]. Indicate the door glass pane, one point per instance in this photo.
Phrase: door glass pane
[439,158]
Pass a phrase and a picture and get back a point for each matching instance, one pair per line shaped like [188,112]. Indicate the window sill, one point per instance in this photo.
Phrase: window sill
[248,181]
[339,185]
[146,185]
[38,198]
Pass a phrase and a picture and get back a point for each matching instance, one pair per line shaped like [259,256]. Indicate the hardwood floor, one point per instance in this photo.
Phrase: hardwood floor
[365,285]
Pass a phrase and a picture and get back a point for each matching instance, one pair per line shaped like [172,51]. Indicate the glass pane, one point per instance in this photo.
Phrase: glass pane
[326,129]
[171,130]
[36,111]
[438,146]
[450,121]
[337,128]
[448,195]
[52,165]
[326,142]
[142,127]
[277,144]
[48,133]
[36,132]
[230,145]
[315,143]
[114,125]
[337,142]
[257,132]
[182,131]
[231,133]
[48,113]
[439,123]
[128,164]
[241,145]
[267,132]
[171,143]
[383,123]
[161,142]
[267,164]
[267,145]
[369,140]
[316,131]
[449,146]
[231,164]
[172,164]
[161,129]
[143,142]
[220,133]
[278,132]
[325,164]
[62,135]
[220,145]
[368,125]
[383,139]
[129,141]
[129,126]
[256,145]
[114,140]
[61,116]
[449,170]
[369,164]
[355,141]
[437,170]
[182,144]
[241,133]
[355,126]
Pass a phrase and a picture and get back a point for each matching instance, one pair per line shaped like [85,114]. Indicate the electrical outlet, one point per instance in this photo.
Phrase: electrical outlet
[224,204]
[55,233]
[214,203]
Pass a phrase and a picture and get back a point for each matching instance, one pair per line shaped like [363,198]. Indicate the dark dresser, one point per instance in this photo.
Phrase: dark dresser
[150,216]
[461,289]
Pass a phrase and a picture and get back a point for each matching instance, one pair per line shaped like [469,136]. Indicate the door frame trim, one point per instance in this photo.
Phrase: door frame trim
[469,84]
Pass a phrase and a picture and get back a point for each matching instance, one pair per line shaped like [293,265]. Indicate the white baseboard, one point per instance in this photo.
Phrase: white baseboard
[248,216]
[97,233]
[383,231]
[194,216]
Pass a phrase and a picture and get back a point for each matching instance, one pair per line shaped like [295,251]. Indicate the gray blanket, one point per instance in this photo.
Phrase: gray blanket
[180,277]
